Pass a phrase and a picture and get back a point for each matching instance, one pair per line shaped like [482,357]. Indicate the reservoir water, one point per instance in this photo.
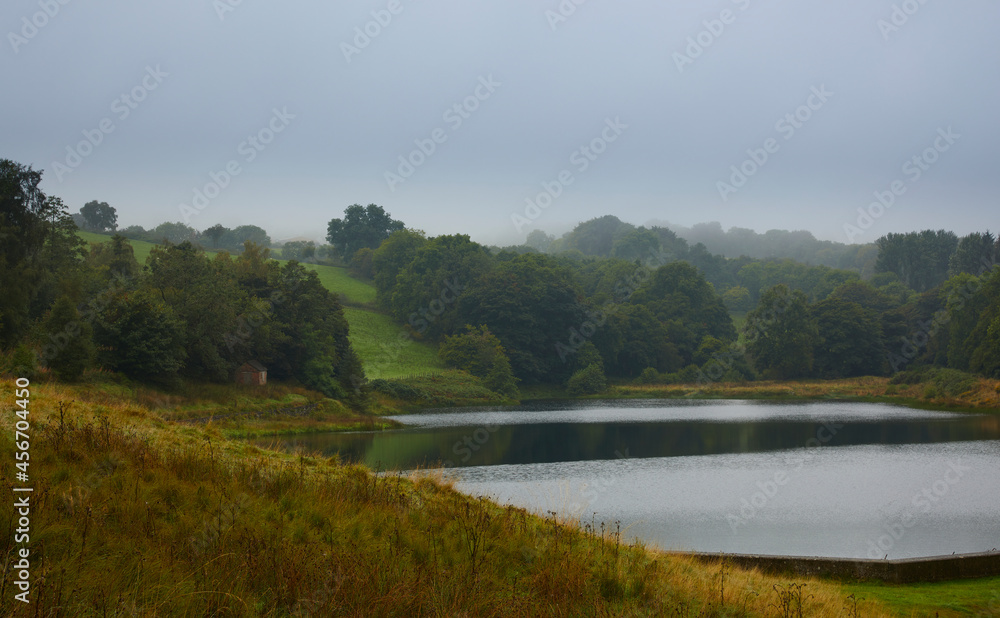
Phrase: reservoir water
[819,479]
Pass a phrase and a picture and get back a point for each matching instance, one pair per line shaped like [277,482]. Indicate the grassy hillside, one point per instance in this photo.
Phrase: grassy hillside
[351,290]
[141,248]
[386,350]
[136,515]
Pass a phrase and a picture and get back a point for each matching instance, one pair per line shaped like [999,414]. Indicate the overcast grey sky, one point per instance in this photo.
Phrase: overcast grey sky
[666,98]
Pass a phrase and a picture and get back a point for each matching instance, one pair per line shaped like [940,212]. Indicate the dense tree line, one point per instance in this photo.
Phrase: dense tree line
[638,303]
[68,307]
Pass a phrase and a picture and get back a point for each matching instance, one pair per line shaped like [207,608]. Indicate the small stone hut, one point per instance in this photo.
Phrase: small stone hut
[252,373]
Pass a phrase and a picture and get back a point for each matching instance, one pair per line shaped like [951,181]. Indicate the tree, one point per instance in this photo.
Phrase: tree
[139,335]
[69,350]
[687,305]
[975,253]
[781,334]
[207,300]
[597,236]
[24,209]
[362,226]
[311,333]
[426,289]
[391,257]
[361,263]
[532,305]
[479,352]
[973,333]
[242,234]
[849,342]
[634,339]
[539,240]
[299,250]
[116,256]
[638,244]
[737,299]
[174,233]
[919,259]
[100,217]
[215,234]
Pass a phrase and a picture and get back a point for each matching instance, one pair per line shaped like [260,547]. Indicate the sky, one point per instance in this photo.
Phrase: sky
[849,119]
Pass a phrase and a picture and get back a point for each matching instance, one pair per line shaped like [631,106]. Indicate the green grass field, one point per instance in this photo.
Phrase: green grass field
[385,348]
[351,290]
[974,597]
[141,248]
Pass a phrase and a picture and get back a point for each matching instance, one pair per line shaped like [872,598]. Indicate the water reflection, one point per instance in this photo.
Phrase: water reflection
[594,431]
[731,476]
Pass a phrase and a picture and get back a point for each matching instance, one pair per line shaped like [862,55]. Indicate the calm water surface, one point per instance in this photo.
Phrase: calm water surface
[832,479]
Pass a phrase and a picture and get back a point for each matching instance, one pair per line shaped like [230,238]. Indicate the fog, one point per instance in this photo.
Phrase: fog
[497,117]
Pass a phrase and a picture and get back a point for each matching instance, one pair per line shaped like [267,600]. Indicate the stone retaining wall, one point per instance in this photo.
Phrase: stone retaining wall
[904,571]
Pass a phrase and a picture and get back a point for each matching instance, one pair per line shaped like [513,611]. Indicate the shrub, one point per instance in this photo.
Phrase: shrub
[587,381]
[480,352]
[24,362]
[649,375]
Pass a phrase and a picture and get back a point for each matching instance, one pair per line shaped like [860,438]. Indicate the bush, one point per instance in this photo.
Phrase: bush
[24,362]
[70,350]
[937,381]
[361,263]
[479,352]
[649,375]
[587,381]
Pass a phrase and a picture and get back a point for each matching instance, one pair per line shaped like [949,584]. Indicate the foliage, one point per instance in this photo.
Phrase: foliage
[39,251]
[391,258]
[938,381]
[69,349]
[687,305]
[362,226]
[587,381]
[849,341]
[113,259]
[99,216]
[361,263]
[598,236]
[973,333]
[781,334]
[737,299]
[974,254]
[139,335]
[480,353]
[530,302]
[539,240]
[919,259]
